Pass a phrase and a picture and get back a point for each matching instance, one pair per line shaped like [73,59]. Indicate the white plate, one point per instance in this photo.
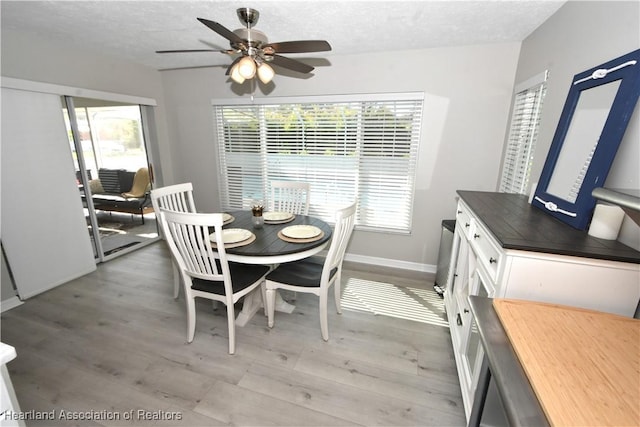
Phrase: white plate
[232,235]
[277,216]
[301,231]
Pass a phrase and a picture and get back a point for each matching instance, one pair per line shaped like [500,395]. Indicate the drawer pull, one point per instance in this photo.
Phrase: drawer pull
[459,212]
[466,224]
[466,310]
[492,260]
[475,236]
[459,319]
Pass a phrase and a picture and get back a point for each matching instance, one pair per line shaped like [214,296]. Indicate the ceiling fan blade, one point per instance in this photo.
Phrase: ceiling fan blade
[291,64]
[235,61]
[222,30]
[189,50]
[300,46]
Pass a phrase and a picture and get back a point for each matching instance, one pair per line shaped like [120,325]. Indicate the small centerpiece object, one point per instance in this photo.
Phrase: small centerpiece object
[257,207]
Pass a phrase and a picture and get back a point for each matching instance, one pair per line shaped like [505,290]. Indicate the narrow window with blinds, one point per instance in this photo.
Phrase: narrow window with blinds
[345,147]
[523,133]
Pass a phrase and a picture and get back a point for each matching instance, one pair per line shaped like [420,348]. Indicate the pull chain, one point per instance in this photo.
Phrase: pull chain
[253,88]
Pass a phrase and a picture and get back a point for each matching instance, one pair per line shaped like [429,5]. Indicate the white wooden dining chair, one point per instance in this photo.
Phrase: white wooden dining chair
[179,198]
[207,273]
[311,277]
[290,196]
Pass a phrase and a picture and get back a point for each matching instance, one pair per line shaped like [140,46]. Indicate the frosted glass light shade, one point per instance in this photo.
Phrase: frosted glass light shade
[247,67]
[235,75]
[265,73]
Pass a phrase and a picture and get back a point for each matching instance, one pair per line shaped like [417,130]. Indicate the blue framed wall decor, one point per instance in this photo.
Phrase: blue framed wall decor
[598,108]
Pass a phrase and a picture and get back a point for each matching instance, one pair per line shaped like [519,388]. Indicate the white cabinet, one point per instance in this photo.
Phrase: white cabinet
[480,265]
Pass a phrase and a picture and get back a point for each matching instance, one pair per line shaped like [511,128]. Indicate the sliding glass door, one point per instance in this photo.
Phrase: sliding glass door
[113,174]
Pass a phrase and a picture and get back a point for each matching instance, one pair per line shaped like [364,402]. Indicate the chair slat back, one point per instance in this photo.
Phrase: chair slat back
[177,198]
[188,238]
[345,223]
[290,196]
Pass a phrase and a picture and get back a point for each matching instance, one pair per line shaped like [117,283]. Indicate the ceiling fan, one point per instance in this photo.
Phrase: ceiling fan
[254,50]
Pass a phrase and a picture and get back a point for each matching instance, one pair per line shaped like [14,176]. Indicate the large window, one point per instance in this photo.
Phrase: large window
[523,134]
[345,147]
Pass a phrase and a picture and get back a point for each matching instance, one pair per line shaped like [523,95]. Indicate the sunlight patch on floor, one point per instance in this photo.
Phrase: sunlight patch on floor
[148,235]
[386,299]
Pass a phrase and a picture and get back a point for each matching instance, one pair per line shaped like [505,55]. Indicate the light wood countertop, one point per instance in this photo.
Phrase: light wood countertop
[583,365]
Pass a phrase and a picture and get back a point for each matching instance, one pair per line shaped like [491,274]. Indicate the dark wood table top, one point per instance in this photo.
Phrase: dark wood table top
[268,247]
[518,225]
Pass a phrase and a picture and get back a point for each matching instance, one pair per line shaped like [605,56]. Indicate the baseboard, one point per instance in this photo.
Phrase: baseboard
[392,263]
[10,303]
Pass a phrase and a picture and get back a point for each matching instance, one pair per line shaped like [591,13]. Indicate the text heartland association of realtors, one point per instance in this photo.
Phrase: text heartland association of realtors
[133,414]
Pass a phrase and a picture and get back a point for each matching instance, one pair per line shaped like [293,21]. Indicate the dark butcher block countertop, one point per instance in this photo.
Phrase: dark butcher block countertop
[518,225]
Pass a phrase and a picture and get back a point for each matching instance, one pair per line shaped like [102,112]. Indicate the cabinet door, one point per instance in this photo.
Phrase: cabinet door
[458,294]
[464,287]
[456,283]
[472,352]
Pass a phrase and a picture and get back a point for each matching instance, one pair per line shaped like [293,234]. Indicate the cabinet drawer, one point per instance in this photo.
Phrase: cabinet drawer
[486,250]
[463,220]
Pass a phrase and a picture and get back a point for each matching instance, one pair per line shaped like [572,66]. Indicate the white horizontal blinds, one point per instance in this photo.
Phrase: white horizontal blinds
[315,143]
[387,162]
[241,157]
[523,134]
[344,149]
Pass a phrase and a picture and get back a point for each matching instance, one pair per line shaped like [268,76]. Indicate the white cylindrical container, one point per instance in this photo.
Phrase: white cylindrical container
[606,222]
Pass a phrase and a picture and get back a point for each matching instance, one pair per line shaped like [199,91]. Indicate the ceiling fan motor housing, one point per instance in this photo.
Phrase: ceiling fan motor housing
[248,16]
[254,38]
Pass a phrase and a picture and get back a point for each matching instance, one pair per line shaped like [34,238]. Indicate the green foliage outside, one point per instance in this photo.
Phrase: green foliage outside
[319,129]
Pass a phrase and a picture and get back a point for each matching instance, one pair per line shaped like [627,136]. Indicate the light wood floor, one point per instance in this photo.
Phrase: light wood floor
[114,341]
[121,230]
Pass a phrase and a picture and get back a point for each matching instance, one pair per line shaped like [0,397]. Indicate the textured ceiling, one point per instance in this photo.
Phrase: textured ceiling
[134,30]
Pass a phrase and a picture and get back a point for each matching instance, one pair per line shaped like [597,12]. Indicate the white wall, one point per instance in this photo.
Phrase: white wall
[467,96]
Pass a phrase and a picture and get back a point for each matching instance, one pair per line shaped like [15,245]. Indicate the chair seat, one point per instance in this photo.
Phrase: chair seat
[242,276]
[304,273]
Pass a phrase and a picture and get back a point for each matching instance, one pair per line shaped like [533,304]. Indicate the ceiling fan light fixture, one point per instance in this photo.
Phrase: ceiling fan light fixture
[247,67]
[235,75]
[254,50]
[265,73]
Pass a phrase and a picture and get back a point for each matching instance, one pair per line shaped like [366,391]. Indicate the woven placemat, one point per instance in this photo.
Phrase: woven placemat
[292,240]
[237,244]
[282,221]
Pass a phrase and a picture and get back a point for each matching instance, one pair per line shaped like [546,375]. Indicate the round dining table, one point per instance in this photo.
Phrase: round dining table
[270,247]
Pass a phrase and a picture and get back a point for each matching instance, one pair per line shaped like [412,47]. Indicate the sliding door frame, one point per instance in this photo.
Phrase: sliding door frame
[93,218]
